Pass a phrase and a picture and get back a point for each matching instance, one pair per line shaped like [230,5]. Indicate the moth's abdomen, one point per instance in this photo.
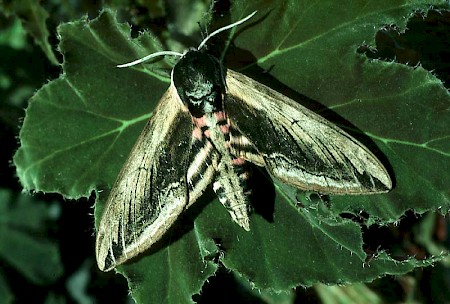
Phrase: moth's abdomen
[231,187]
[232,172]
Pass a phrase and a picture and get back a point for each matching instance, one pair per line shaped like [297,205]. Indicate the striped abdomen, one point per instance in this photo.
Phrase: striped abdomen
[212,141]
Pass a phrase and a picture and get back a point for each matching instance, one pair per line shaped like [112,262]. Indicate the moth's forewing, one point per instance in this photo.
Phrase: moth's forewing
[151,189]
[298,146]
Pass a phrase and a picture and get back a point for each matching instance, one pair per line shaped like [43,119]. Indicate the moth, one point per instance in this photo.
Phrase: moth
[208,125]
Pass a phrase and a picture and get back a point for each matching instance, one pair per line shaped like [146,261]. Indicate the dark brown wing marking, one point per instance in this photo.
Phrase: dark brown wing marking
[298,146]
[151,190]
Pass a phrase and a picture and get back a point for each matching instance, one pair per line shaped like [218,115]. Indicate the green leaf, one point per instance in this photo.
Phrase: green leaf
[77,133]
[298,247]
[80,128]
[356,293]
[174,273]
[22,242]
[33,17]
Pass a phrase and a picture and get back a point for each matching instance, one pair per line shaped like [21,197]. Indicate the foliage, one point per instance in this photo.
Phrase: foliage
[79,128]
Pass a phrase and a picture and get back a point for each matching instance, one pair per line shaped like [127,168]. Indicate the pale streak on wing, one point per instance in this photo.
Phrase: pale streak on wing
[150,191]
[300,147]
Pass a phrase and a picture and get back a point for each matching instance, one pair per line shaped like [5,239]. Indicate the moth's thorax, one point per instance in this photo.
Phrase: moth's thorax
[199,80]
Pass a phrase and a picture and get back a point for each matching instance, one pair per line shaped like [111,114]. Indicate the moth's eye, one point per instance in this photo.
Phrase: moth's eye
[211,97]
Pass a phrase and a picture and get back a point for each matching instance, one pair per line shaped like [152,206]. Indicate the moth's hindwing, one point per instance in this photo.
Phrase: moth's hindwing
[151,190]
[298,146]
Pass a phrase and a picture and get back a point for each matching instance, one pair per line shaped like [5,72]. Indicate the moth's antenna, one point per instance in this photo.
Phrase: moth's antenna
[224,29]
[172,53]
[163,53]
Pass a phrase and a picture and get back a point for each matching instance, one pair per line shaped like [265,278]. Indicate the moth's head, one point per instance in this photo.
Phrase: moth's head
[199,80]
[198,77]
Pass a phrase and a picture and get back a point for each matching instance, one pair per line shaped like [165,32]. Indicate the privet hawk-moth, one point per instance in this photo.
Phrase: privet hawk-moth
[208,125]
